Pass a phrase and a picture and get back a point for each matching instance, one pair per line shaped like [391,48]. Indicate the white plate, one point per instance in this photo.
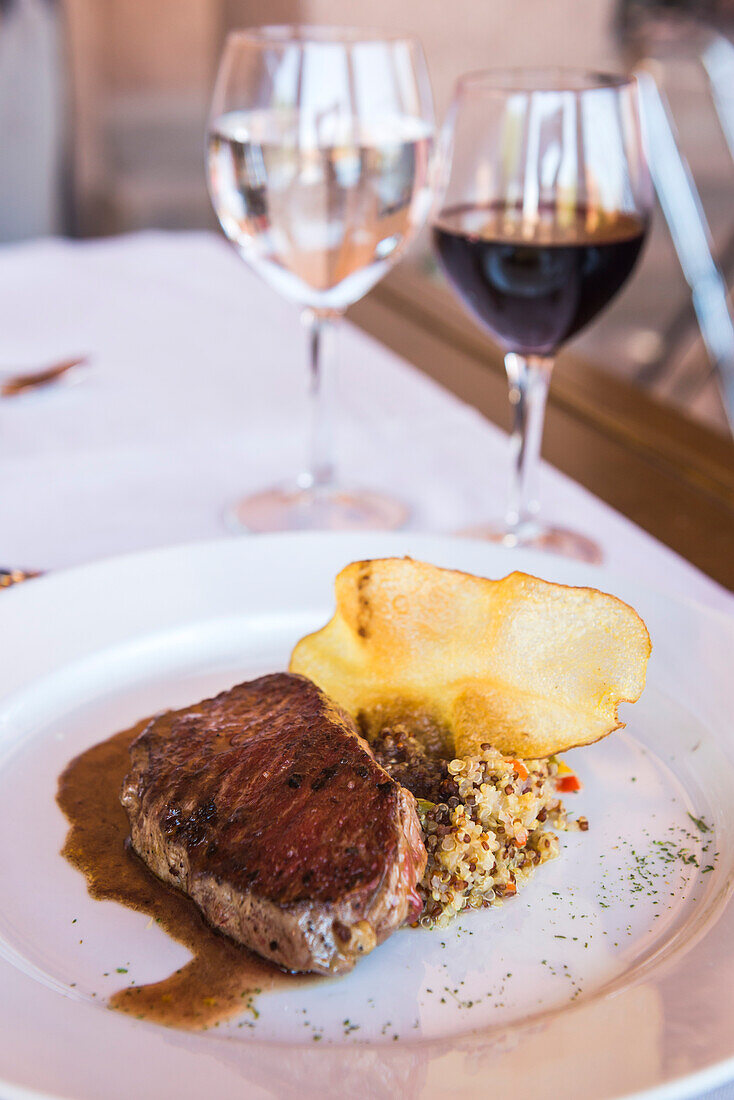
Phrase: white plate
[611,973]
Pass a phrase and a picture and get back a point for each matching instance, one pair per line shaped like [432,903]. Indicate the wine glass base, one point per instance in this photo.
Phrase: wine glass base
[537,536]
[289,508]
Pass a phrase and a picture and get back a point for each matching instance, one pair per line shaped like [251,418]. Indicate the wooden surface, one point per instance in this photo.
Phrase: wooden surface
[670,475]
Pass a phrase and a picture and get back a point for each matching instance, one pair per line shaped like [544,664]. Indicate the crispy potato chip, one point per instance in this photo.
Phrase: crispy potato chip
[532,667]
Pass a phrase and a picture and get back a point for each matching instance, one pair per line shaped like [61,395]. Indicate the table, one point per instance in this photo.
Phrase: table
[669,473]
[196,393]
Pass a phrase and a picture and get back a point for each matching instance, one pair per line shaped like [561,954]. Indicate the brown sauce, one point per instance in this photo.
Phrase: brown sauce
[223,978]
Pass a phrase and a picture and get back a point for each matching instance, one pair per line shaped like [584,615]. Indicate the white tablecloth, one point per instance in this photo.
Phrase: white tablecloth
[197,394]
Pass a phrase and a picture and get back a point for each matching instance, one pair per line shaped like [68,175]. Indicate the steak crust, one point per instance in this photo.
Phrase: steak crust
[266,806]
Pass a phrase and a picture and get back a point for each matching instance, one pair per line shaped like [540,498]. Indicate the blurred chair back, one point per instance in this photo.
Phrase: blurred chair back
[658,36]
[31,119]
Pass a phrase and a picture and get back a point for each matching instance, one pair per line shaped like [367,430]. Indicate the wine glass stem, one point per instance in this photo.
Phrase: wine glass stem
[529,378]
[319,472]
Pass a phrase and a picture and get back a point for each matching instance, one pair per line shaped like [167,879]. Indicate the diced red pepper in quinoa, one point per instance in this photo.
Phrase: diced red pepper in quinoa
[520,768]
[566,784]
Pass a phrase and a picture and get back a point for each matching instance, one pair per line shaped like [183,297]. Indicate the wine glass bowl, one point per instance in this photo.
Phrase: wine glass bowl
[542,208]
[319,148]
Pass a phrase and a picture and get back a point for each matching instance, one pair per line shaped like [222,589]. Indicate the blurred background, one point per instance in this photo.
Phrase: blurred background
[103,110]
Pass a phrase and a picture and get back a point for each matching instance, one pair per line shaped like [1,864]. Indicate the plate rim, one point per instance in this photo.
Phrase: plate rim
[205,545]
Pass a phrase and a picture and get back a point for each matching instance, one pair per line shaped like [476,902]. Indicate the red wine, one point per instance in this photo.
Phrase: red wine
[533,288]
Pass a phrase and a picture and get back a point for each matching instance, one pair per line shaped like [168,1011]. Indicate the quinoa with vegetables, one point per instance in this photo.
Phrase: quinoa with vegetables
[486,819]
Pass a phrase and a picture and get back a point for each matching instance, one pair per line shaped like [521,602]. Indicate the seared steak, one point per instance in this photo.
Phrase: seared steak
[266,806]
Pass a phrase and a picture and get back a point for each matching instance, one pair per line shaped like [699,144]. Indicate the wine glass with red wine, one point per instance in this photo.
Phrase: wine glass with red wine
[542,206]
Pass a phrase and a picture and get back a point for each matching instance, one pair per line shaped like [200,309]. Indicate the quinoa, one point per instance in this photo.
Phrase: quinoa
[415,763]
[486,821]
